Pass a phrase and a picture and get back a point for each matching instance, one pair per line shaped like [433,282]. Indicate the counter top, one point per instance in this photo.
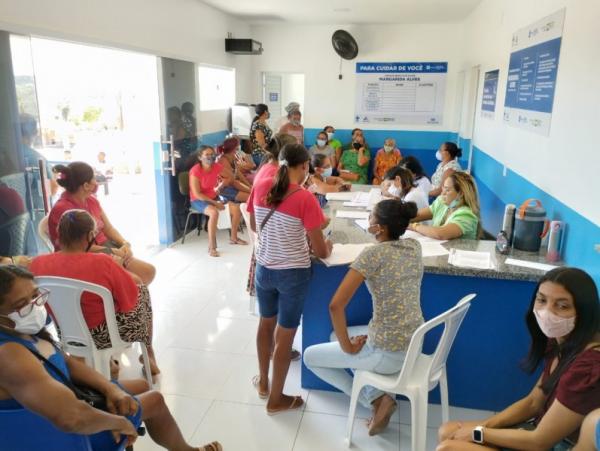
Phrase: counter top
[346,231]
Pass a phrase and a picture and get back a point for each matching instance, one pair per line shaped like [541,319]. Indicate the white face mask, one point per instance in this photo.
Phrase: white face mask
[554,326]
[321,142]
[394,190]
[438,156]
[32,323]
[330,135]
[327,172]
[388,149]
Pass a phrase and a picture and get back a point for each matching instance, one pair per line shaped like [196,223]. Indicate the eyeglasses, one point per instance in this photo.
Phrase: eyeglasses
[40,299]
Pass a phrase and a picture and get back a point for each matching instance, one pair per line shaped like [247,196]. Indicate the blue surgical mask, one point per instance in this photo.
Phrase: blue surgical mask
[321,142]
[327,172]
[209,160]
[454,203]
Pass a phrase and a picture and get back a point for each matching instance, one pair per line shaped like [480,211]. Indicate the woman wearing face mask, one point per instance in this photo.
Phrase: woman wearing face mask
[28,382]
[414,166]
[322,147]
[385,159]
[79,181]
[455,213]
[205,177]
[260,133]
[399,184]
[76,233]
[294,127]
[238,189]
[354,163]
[392,270]
[564,323]
[447,155]
[321,182]
[283,214]
[332,142]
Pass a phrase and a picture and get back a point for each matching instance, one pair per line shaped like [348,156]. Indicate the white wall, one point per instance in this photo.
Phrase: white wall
[307,49]
[566,163]
[180,29]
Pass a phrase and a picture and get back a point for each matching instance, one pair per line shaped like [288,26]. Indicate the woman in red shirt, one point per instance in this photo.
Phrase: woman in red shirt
[79,181]
[76,233]
[564,324]
[206,179]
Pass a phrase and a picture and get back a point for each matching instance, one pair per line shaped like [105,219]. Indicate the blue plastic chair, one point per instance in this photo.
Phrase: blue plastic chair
[23,430]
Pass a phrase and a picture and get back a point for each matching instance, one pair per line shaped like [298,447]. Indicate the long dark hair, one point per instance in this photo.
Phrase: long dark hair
[291,155]
[413,165]
[8,275]
[587,323]
[407,180]
[74,175]
[395,215]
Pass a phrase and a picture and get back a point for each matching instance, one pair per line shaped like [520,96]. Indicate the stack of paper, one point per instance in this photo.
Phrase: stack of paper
[352,214]
[346,195]
[363,224]
[432,249]
[422,238]
[344,254]
[470,259]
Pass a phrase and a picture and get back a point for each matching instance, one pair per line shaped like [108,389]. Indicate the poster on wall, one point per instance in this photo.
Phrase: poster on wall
[400,93]
[532,74]
[490,91]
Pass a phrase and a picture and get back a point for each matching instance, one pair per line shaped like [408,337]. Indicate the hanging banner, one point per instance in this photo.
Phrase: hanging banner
[400,93]
[490,91]
[532,74]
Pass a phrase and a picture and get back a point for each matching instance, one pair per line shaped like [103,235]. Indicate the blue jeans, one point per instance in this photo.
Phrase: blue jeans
[281,293]
[329,362]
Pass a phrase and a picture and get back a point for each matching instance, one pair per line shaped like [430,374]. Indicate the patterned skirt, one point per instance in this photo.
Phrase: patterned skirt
[250,288]
[135,325]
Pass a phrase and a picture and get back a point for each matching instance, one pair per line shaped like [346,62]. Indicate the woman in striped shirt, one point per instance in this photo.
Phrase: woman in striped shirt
[283,213]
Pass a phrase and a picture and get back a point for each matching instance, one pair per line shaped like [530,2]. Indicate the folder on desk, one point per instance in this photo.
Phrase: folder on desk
[344,254]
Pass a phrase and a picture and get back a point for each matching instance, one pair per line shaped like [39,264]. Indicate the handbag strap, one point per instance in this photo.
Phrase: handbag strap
[270,213]
[65,380]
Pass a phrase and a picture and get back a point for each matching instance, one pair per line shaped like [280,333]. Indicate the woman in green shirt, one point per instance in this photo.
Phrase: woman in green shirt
[354,164]
[455,213]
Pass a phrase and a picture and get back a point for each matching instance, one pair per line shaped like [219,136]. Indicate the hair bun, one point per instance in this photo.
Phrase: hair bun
[409,209]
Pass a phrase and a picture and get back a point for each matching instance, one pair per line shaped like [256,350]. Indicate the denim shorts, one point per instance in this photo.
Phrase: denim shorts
[281,293]
[199,205]
[229,193]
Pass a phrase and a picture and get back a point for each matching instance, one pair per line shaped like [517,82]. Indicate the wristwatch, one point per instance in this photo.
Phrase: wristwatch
[478,435]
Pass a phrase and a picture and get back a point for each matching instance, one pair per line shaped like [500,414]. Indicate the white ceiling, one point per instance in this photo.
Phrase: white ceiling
[347,11]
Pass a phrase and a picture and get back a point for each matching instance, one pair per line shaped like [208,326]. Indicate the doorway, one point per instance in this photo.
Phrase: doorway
[278,90]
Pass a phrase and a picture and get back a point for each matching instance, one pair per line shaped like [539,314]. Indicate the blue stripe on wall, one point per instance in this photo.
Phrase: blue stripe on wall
[497,190]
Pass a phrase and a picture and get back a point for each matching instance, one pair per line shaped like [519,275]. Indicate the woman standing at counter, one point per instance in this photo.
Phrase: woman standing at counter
[455,213]
[393,270]
[564,323]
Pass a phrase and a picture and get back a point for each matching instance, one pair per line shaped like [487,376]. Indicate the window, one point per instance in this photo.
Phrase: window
[217,88]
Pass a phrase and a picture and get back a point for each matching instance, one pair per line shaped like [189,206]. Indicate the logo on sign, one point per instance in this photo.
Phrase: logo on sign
[273,96]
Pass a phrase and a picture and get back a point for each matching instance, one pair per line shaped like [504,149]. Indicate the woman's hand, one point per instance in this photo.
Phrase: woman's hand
[219,205]
[126,251]
[356,344]
[120,403]
[464,434]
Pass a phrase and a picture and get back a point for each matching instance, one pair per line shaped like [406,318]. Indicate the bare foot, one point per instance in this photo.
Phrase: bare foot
[384,408]
[284,404]
[213,446]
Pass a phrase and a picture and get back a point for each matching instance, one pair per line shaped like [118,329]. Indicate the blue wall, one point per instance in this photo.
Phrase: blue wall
[214,138]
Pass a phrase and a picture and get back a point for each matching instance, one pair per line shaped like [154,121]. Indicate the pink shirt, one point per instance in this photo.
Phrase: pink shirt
[297,131]
[68,202]
[208,180]
[267,171]
[282,243]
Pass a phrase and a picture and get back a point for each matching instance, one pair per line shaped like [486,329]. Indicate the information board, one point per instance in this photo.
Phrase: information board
[490,91]
[532,74]
[400,93]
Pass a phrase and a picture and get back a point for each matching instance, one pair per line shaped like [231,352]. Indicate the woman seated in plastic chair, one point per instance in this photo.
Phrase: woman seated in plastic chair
[76,232]
[206,177]
[27,382]
[79,181]
[564,323]
[238,189]
[393,270]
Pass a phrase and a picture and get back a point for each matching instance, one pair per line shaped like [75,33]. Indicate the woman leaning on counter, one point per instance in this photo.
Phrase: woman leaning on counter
[455,213]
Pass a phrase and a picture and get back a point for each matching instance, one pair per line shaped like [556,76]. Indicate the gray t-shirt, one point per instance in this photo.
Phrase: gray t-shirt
[327,151]
[393,271]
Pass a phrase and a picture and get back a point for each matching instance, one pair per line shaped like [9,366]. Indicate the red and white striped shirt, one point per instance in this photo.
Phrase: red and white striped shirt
[282,243]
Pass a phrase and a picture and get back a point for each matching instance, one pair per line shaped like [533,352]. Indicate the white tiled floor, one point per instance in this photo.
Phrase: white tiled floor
[204,338]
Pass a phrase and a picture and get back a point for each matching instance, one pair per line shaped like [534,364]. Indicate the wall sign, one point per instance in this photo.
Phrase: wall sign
[400,93]
[532,74]
[490,90]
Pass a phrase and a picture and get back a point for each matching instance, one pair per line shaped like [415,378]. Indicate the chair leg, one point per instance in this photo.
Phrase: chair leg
[185,229]
[444,397]
[418,405]
[146,361]
[356,388]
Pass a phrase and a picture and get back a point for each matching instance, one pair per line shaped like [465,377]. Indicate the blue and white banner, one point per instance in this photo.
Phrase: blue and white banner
[532,74]
[490,91]
[400,93]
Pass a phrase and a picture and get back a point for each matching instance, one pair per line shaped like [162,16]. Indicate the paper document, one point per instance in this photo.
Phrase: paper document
[352,214]
[346,195]
[355,204]
[344,254]
[374,198]
[470,259]
[526,264]
[363,224]
[422,238]
[432,249]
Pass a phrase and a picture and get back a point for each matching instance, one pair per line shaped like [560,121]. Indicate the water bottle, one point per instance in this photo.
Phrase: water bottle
[508,222]
[554,241]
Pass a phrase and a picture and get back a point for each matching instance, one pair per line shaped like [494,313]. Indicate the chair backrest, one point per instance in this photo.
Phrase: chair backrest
[44,233]
[246,216]
[65,303]
[435,363]
[13,235]
[183,179]
[26,431]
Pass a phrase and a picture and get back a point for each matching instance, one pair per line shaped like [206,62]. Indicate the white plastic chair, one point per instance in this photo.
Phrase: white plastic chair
[76,339]
[420,374]
[253,241]
[44,233]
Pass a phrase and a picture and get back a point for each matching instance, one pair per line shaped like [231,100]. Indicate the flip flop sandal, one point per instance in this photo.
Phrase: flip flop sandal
[256,383]
[296,403]
[213,446]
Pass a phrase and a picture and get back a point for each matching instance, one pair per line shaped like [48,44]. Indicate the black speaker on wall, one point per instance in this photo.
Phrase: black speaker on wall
[243,46]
